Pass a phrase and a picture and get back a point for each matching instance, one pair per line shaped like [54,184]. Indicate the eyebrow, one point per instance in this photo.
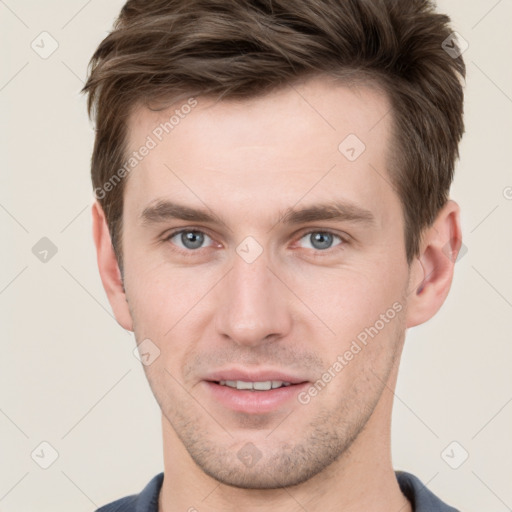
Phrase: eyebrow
[164,210]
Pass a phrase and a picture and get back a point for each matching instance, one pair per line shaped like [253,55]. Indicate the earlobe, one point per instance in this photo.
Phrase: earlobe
[432,272]
[109,268]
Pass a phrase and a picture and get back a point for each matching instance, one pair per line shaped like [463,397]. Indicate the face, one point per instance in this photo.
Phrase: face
[286,263]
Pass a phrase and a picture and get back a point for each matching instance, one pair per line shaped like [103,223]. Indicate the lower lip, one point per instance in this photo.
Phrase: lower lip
[253,402]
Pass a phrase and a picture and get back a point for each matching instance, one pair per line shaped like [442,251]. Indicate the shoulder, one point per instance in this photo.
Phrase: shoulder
[421,498]
[126,504]
[145,501]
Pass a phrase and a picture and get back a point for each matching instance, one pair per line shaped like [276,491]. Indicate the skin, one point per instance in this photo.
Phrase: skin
[295,308]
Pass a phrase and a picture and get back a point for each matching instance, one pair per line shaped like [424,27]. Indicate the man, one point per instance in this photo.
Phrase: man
[272,214]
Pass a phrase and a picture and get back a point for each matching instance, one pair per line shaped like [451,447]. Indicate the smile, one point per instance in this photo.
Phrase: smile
[254,386]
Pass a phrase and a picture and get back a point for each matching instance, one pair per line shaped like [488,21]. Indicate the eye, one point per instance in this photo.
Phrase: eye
[188,239]
[321,240]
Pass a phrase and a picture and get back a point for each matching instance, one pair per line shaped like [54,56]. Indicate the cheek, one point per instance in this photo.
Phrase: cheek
[347,299]
[162,298]
[165,308]
[366,314]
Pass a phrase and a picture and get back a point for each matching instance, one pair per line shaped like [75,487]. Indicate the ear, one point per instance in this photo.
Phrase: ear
[109,268]
[432,272]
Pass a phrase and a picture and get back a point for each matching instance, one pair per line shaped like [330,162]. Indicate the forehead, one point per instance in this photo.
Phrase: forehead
[319,139]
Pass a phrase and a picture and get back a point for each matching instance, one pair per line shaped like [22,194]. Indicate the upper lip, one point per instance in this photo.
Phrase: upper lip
[253,376]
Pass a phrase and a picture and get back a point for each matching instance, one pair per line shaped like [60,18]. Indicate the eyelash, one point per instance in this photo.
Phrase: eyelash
[317,252]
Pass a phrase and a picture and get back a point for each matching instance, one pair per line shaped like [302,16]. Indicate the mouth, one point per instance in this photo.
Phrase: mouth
[253,397]
[266,385]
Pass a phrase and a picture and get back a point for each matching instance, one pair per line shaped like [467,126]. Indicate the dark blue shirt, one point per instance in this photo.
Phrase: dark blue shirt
[422,500]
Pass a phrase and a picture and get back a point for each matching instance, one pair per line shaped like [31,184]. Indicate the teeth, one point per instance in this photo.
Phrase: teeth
[258,386]
[261,386]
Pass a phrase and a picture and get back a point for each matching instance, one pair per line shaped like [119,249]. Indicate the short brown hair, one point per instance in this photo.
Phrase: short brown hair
[169,49]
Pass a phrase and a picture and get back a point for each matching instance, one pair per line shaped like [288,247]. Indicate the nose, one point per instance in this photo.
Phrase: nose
[253,304]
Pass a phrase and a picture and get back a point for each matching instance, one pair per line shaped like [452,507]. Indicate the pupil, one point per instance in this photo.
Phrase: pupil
[321,240]
[192,239]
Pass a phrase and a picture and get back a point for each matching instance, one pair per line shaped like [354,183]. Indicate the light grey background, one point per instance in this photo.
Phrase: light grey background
[68,376]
